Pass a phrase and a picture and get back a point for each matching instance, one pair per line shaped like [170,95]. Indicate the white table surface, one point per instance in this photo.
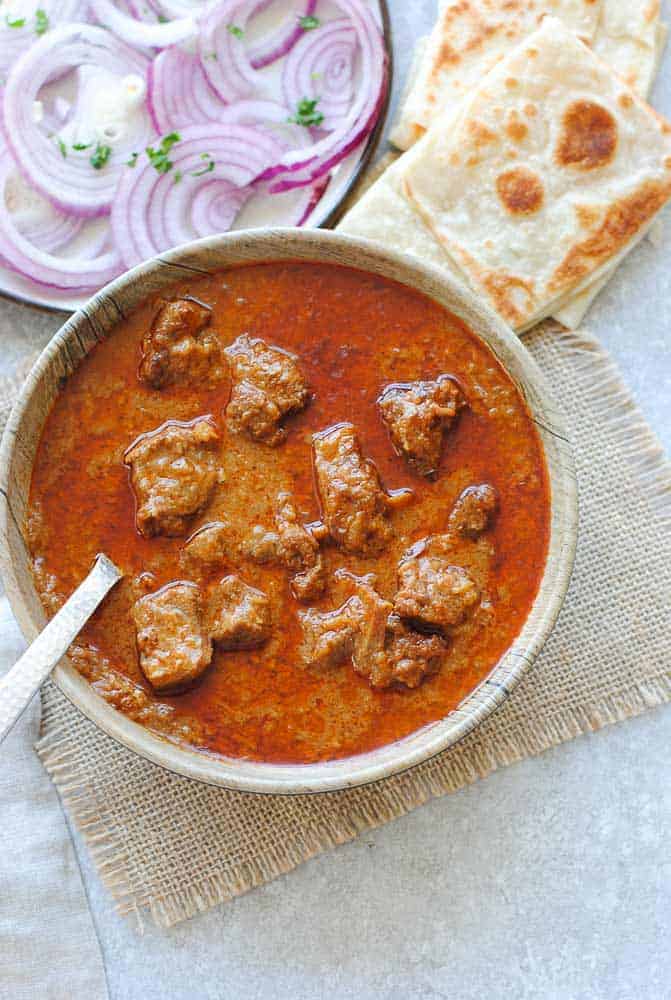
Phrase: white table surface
[548,881]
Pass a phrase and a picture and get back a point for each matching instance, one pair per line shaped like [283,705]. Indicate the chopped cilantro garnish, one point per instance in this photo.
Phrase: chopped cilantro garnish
[309,22]
[162,19]
[178,176]
[101,155]
[78,146]
[159,157]
[18,22]
[133,160]
[41,21]
[235,30]
[63,148]
[209,166]
[306,113]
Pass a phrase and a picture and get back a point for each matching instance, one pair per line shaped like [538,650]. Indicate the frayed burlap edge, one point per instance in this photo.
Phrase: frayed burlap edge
[600,377]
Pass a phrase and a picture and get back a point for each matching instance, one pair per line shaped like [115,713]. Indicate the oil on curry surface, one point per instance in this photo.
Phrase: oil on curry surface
[295,675]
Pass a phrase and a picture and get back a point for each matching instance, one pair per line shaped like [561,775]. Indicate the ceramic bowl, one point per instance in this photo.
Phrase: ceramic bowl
[97,320]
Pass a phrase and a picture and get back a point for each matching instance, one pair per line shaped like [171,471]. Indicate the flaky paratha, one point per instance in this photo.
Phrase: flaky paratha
[469,38]
[631,39]
[551,173]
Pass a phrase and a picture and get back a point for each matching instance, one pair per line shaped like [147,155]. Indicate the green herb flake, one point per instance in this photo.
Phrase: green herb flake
[178,176]
[63,148]
[159,157]
[306,113]
[308,23]
[235,30]
[133,160]
[79,146]
[162,19]
[101,155]
[18,22]
[41,21]
[208,168]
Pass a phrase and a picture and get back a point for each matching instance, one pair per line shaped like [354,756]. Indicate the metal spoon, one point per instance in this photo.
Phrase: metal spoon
[21,683]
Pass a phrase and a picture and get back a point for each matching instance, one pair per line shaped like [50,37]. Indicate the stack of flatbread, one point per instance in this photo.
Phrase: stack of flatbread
[533,163]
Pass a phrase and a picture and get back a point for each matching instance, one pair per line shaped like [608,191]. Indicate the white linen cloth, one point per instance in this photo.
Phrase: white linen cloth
[48,945]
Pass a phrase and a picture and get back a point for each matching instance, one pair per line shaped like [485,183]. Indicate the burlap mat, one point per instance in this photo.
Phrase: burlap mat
[174,847]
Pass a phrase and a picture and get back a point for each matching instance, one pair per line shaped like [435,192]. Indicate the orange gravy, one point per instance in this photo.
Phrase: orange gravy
[353,333]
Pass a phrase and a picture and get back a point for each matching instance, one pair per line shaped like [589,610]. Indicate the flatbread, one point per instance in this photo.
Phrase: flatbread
[406,132]
[384,215]
[469,38]
[631,39]
[551,173]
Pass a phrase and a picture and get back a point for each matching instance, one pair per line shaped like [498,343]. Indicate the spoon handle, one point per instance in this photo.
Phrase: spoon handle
[23,680]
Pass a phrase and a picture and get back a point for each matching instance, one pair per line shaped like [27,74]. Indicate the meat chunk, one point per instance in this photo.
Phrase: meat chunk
[354,505]
[383,650]
[239,616]
[173,644]
[328,637]
[267,386]
[294,546]
[417,415]
[407,658]
[386,651]
[179,349]
[433,594]
[207,549]
[473,512]
[173,470]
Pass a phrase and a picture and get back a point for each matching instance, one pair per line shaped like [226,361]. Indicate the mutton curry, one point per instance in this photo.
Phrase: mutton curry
[328,498]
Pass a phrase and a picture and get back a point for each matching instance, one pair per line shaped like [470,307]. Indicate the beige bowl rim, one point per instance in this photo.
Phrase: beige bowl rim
[101,314]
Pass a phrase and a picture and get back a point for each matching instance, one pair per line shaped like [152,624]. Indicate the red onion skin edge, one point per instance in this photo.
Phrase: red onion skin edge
[286,44]
[327,165]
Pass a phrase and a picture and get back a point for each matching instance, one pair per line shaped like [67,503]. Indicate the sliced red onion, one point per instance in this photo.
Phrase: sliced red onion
[153,211]
[269,50]
[216,205]
[49,233]
[24,257]
[141,33]
[178,92]
[70,181]
[222,51]
[14,41]
[178,8]
[321,66]
[363,111]
[272,117]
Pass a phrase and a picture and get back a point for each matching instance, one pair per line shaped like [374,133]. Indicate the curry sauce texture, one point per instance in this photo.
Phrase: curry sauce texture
[410,572]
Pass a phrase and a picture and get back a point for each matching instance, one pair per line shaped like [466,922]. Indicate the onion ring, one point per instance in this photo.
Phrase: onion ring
[27,259]
[360,119]
[152,210]
[321,67]
[15,40]
[178,92]
[69,182]
[142,34]
[269,50]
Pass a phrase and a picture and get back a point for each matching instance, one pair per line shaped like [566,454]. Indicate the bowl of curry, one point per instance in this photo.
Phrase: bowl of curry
[339,490]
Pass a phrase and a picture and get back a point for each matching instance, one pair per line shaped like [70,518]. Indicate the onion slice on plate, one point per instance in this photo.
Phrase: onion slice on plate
[143,34]
[64,176]
[24,257]
[221,46]
[178,92]
[269,50]
[153,211]
[363,111]
[19,31]
[321,66]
